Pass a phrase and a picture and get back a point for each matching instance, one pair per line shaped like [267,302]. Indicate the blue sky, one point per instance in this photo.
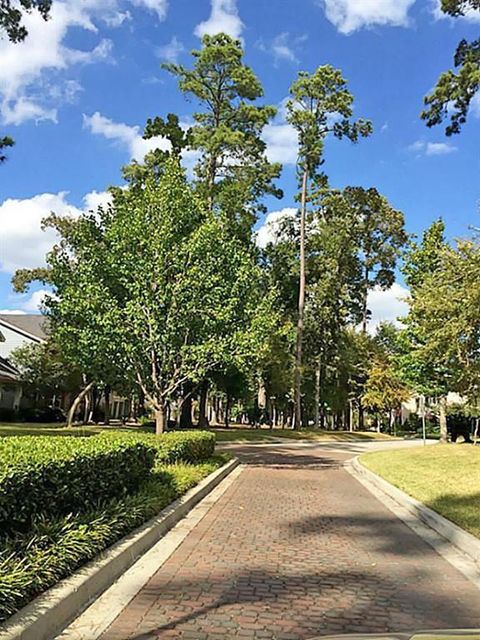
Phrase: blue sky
[76,94]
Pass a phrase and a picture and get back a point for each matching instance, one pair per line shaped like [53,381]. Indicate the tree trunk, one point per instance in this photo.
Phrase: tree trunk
[107,392]
[76,403]
[301,307]
[186,408]
[361,416]
[318,370]
[202,405]
[160,420]
[365,302]
[443,419]
[227,410]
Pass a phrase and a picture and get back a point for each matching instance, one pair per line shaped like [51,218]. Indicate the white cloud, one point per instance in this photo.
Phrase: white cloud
[96,199]
[12,312]
[223,18]
[281,138]
[117,18]
[350,15]
[271,226]
[282,47]
[432,148]
[35,301]
[23,243]
[125,135]
[28,69]
[171,51]
[160,7]
[387,306]
[130,138]
[282,143]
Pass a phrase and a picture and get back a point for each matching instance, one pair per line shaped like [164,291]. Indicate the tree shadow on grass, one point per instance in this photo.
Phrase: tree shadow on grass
[463,510]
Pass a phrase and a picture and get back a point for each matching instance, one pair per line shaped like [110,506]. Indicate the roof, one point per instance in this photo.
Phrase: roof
[7,371]
[31,325]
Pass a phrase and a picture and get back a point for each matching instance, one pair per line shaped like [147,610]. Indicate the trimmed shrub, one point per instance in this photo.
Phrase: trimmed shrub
[173,446]
[59,475]
[52,550]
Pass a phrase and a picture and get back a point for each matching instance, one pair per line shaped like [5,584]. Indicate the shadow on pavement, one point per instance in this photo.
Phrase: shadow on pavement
[297,607]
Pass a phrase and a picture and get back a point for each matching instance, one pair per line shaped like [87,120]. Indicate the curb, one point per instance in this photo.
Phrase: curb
[53,610]
[465,542]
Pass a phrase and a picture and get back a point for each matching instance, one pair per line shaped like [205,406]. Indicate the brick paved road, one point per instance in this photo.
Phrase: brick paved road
[297,547]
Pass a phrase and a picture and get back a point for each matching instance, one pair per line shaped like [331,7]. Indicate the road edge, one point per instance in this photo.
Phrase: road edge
[460,548]
[53,610]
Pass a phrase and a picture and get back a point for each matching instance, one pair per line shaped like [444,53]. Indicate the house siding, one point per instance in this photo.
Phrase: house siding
[13,340]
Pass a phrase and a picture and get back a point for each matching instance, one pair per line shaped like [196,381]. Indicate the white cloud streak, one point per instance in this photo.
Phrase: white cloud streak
[224,18]
[420,147]
[350,15]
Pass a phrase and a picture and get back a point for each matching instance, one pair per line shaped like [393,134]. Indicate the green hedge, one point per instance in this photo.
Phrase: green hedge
[54,549]
[59,475]
[174,446]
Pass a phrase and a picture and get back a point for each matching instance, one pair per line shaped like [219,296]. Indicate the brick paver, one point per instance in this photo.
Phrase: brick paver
[295,548]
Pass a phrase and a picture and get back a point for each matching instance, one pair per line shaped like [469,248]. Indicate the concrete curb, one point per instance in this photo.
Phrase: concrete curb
[52,611]
[465,542]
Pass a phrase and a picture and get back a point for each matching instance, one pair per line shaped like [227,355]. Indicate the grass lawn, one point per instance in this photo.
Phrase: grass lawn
[247,435]
[446,478]
[58,429]
[223,435]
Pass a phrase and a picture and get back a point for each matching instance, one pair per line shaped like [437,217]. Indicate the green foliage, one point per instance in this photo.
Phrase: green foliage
[43,370]
[320,104]
[384,390]
[175,446]
[445,310]
[233,173]
[422,260]
[419,365]
[154,162]
[453,94]
[5,142]
[11,14]
[55,475]
[155,290]
[53,549]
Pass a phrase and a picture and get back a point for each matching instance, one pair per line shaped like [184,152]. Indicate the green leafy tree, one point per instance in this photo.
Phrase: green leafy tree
[153,165]
[233,173]
[155,287]
[421,368]
[423,259]
[44,372]
[381,238]
[320,105]
[452,96]
[384,390]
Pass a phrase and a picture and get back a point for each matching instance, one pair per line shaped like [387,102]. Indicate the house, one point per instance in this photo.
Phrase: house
[16,331]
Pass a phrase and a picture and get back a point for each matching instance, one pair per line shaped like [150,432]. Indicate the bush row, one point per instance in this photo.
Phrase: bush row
[174,446]
[54,476]
[54,549]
